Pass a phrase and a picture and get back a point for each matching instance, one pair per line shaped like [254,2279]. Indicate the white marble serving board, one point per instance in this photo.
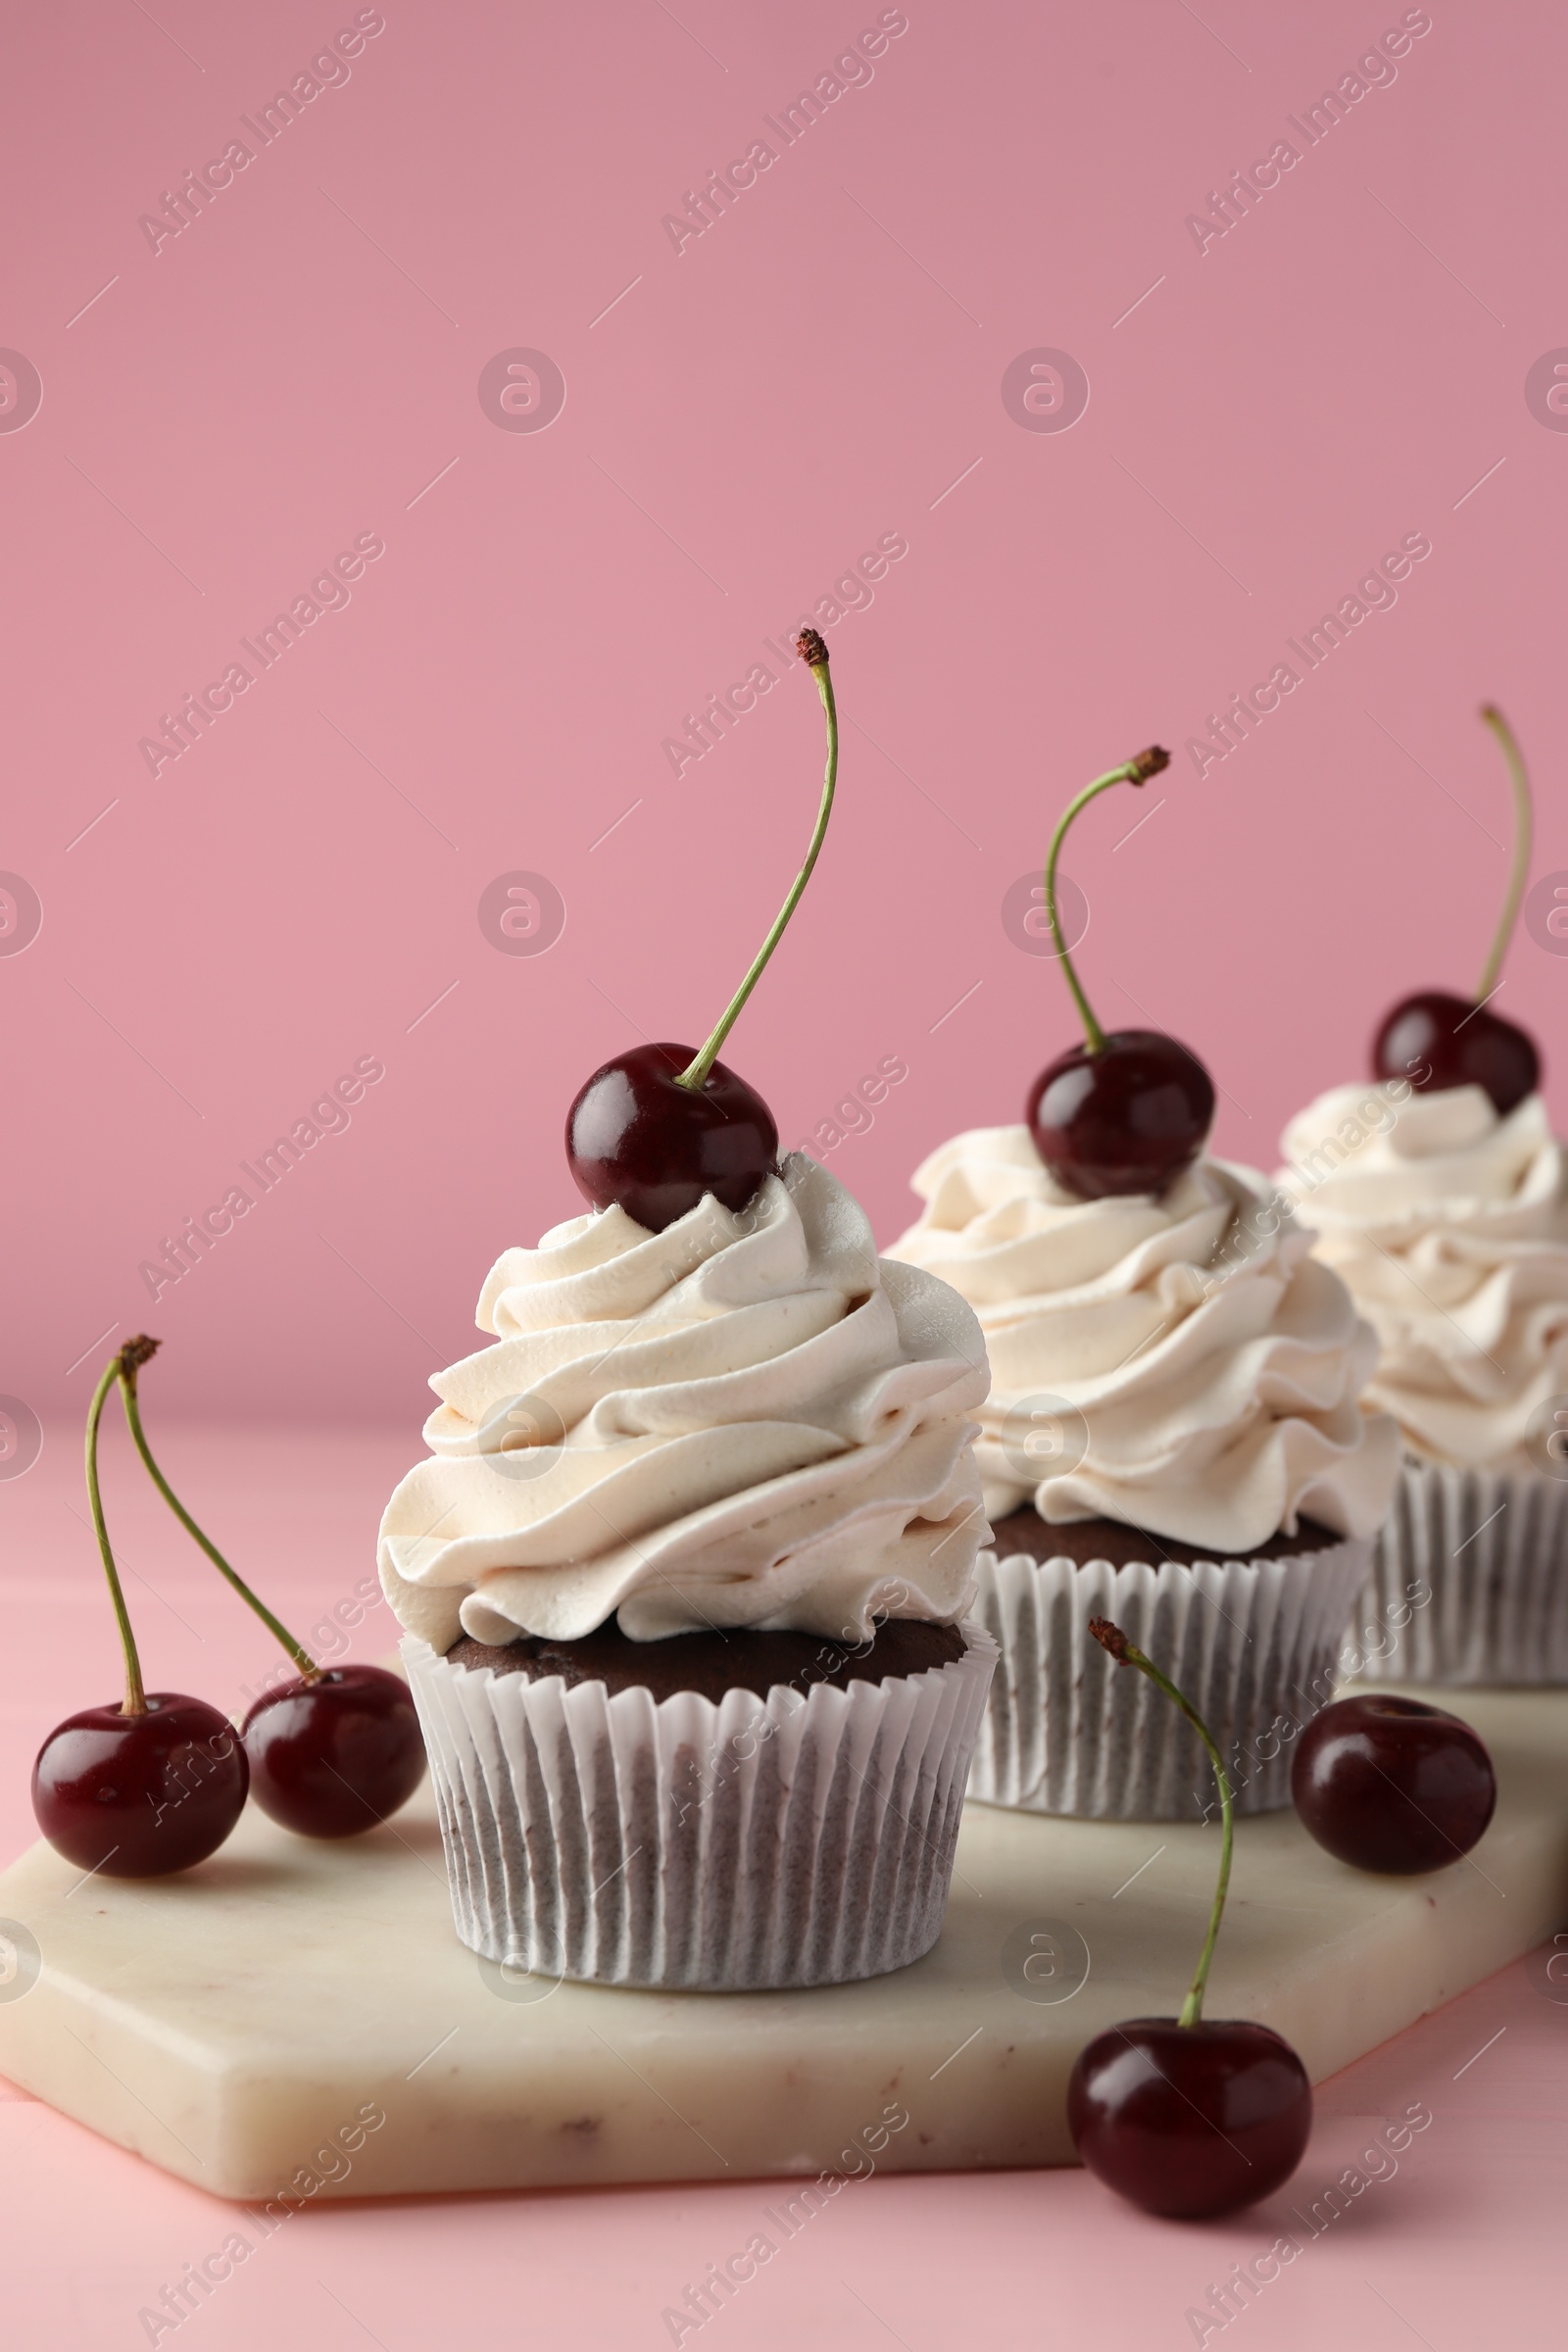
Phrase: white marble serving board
[242,2025]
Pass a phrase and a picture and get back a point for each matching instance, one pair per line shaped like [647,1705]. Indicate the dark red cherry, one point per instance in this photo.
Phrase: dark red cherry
[1190,2121]
[1392,1785]
[636,1137]
[1126,1119]
[1439,1041]
[136,1796]
[334,1754]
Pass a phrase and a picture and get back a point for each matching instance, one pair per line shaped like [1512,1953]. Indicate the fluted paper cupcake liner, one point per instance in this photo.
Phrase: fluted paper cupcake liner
[754,1843]
[1470,1579]
[1252,1644]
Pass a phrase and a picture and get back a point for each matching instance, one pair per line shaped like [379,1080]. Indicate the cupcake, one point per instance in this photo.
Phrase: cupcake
[1174,1438]
[683,1584]
[1450,1223]
[684,1579]
[1439,1194]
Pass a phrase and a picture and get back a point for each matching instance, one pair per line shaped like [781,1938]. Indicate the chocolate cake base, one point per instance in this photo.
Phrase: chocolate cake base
[1252,1638]
[769,1830]
[712,1663]
[1086,1540]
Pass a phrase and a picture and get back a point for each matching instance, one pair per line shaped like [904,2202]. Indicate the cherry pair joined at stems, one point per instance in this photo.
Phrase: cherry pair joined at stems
[157,1783]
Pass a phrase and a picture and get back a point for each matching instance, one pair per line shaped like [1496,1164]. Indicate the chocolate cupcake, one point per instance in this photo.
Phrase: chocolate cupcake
[1448,1220]
[684,1584]
[1174,1440]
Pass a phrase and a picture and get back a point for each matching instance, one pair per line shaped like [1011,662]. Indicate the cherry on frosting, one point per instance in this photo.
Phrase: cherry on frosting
[660,1126]
[1125,1118]
[1129,1108]
[1188,2117]
[638,1137]
[1433,1040]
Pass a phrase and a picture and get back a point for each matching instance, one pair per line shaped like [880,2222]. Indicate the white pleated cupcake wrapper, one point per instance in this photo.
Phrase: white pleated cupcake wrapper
[754,1843]
[1253,1645]
[1470,1579]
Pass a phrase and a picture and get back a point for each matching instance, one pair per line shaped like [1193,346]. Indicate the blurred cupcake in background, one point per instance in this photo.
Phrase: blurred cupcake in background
[1174,1438]
[1439,1194]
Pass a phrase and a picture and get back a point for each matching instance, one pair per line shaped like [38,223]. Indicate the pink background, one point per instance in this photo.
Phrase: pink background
[742,419]
[816,370]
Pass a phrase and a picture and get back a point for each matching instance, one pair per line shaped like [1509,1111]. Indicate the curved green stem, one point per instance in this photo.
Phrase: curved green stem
[136,1699]
[128,1393]
[697,1072]
[1523,818]
[1127,1653]
[1132,771]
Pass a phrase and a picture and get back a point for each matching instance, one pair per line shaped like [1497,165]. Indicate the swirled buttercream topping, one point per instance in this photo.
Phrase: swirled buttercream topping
[1180,1363]
[744,1421]
[1451,1226]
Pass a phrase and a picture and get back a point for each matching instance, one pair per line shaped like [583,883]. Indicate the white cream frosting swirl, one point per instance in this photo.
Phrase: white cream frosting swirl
[1179,1364]
[745,1420]
[1451,1226]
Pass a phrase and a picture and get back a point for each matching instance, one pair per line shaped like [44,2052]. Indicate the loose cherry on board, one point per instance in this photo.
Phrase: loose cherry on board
[147,1786]
[659,1127]
[334,1755]
[1433,1040]
[1190,2121]
[1391,1783]
[337,1748]
[1188,2116]
[1129,1108]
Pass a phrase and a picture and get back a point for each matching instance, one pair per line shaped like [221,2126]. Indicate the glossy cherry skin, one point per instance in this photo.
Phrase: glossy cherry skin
[1452,1041]
[1392,1785]
[334,1755]
[636,1138]
[138,1796]
[1126,1119]
[1190,2121]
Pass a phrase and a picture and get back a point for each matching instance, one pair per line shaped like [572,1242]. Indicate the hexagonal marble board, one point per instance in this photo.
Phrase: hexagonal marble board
[242,2024]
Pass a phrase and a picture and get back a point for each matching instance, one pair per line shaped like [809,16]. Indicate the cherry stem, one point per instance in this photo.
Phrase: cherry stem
[811,650]
[1127,1653]
[136,1353]
[1523,818]
[1132,771]
[136,1699]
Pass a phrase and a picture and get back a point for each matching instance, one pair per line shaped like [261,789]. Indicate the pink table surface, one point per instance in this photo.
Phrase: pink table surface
[1458,2248]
